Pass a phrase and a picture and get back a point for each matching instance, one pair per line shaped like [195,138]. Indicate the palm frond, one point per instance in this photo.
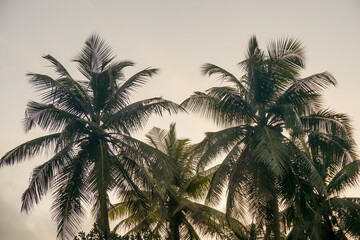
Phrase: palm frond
[29,149]
[208,107]
[70,195]
[64,93]
[288,50]
[59,68]
[94,57]
[349,215]
[210,69]
[216,143]
[135,115]
[46,116]
[42,178]
[221,176]
[306,91]
[348,176]
[137,80]
[270,148]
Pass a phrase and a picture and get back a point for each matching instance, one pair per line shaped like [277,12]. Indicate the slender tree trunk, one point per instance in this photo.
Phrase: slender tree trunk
[174,231]
[174,223]
[276,214]
[101,168]
[329,231]
[104,217]
[276,224]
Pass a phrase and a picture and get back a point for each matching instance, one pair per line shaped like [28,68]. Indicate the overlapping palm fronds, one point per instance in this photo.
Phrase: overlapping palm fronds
[89,121]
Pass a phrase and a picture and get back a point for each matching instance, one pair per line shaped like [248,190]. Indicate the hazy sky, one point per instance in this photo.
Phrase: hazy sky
[175,36]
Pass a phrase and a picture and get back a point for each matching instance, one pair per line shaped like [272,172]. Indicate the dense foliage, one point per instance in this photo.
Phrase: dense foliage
[174,212]
[96,234]
[277,137]
[288,160]
[90,122]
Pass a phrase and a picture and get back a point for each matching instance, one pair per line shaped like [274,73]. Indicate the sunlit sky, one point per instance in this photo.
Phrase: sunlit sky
[175,36]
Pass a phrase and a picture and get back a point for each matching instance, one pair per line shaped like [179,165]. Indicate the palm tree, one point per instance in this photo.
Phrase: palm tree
[174,212]
[90,122]
[260,112]
[322,213]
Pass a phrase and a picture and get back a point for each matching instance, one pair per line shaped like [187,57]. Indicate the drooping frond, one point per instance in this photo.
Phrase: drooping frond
[270,148]
[29,149]
[216,143]
[307,90]
[235,202]
[70,195]
[221,176]
[46,116]
[328,121]
[232,103]
[349,215]
[42,178]
[64,93]
[348,176]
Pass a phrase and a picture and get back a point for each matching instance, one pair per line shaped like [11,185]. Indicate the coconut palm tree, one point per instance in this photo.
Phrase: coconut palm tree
[174,212]
[259,112]
[90,122]
[322,213]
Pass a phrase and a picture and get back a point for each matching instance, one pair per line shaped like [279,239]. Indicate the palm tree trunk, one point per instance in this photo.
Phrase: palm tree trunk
[274,205]
[174,231]
[174,225]
[103,197]
[104,217]
[276,223]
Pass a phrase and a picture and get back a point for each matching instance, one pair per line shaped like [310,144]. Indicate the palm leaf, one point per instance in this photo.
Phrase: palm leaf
[43,177]
[28,149]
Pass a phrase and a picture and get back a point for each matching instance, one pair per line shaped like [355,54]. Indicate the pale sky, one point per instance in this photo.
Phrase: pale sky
[175,36]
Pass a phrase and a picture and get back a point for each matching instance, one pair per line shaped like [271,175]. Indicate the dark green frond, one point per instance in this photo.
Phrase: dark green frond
[348,176]
[288,50]
[135,115]
[270,148]
[208,107]
[349,215]
[70,195]
[46,116]
[29,149]
[220,177]
[94,57]
[216,143]
[210,69]
[306,91]
[59,68]
[42,178]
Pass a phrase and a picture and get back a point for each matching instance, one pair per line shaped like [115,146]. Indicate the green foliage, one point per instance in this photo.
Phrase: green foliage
[90,122]
[96,234]
[269,115]
[173,211]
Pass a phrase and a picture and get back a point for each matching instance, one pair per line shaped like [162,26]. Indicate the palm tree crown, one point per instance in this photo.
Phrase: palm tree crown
[262,112]
[90,122]
[173,212]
